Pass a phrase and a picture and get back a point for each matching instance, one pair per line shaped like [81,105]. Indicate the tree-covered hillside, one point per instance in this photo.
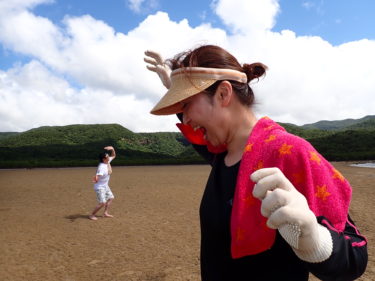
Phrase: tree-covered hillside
[349,139]
[7,134]
[79,145]
[340,124]
[347,145]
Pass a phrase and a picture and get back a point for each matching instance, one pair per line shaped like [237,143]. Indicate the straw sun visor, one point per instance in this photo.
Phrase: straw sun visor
[189,81]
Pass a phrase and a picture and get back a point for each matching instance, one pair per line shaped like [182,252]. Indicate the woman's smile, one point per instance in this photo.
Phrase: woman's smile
[202,129]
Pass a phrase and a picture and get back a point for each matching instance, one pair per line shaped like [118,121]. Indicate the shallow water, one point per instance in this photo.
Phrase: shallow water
[364,165]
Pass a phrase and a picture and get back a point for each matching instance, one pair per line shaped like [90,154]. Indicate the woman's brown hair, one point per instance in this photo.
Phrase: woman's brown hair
[212,56]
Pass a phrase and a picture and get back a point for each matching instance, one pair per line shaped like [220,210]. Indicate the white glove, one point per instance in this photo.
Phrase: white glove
[158,65]
[288,211]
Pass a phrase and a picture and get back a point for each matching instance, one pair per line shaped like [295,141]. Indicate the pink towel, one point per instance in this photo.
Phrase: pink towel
[269,145]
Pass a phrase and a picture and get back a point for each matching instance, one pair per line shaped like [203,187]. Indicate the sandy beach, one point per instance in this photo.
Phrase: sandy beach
[45,233]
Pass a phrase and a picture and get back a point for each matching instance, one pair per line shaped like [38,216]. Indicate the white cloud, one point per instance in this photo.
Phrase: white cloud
[35,36]
[31,96]
[7,6]
[308,5]
[142,6]
[309,79]
[247,16]
[135,5]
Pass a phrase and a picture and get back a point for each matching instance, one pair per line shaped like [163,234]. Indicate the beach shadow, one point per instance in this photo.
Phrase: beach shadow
[72,218]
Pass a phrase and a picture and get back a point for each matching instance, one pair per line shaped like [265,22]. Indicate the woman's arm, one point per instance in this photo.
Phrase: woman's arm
[349,256]
[113,152]
[329,254]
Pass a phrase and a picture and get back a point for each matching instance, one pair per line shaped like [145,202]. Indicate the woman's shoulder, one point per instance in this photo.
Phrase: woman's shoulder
[275,145]
[298,141]
[102,166]
[275,136]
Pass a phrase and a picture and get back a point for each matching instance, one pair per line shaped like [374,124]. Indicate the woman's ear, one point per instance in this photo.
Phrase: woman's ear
[225,93]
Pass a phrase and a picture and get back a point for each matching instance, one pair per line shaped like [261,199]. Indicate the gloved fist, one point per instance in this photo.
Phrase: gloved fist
[288,211]
[157,64]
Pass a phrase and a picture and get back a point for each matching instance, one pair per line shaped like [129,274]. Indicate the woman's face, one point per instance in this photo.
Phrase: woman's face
[202,111]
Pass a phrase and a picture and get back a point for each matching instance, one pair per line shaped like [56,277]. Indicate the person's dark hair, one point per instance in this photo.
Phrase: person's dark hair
[103,155]
[212,56]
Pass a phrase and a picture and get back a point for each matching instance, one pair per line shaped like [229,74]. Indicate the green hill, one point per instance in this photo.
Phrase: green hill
[7,134]
[366,125]
[339,125]
[79,145]
[305,133]
[340,140]
[347,145]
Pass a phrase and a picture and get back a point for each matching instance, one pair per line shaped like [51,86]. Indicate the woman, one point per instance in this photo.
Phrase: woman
[273,207]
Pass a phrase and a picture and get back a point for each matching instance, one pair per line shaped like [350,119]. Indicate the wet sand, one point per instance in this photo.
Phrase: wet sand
[45,233]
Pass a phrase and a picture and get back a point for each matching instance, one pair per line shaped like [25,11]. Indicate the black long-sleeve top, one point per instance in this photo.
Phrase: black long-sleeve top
[347,261]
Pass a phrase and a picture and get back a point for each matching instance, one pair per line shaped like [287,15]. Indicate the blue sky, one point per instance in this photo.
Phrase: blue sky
[71,54]
[337,21]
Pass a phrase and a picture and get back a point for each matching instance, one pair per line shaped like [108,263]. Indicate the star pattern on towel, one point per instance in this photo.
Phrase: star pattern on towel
[315,157]
[285,149]
[249,200]
[270,138]
[269,127]
[322,192]
[337,175]
[249,147]
[259,165]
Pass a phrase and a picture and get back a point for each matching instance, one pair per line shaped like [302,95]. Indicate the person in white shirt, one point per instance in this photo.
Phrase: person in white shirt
[101,179]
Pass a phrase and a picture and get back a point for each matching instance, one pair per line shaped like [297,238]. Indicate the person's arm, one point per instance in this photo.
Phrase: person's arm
[287,210]
[111,157]
[349,255]
[99,173]
[113,152]
[156,63]
[328,253]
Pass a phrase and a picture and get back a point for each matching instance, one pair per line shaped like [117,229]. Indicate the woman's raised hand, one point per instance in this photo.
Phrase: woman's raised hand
[156,64]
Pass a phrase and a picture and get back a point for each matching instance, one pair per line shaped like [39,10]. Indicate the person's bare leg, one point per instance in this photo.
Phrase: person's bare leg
[97,208]
[106,214]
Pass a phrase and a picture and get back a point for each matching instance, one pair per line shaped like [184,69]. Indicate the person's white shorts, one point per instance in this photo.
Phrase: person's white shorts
[103,194]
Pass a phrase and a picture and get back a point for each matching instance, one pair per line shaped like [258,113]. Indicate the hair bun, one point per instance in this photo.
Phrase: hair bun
[254,70]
